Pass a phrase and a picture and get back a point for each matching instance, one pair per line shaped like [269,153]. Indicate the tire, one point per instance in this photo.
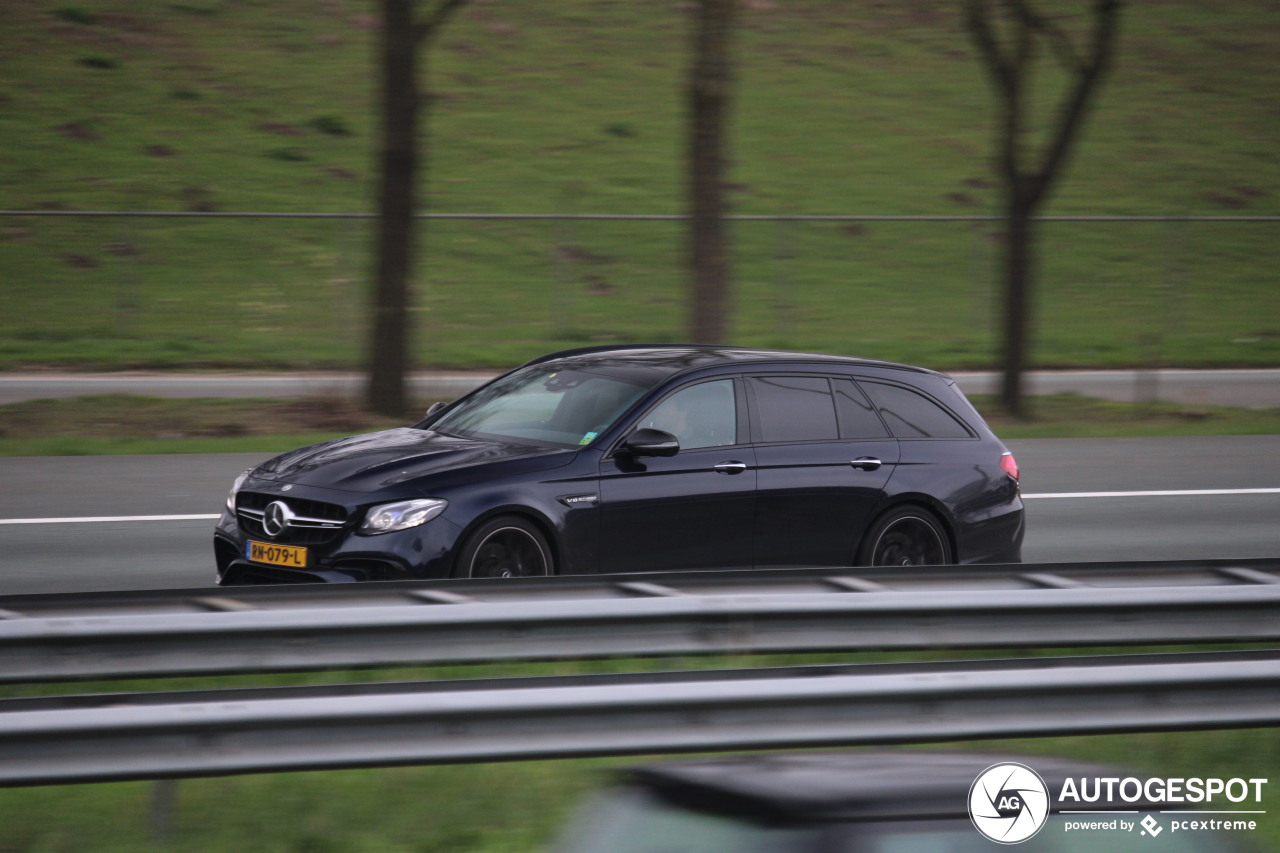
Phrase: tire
[505,547]
[906,536]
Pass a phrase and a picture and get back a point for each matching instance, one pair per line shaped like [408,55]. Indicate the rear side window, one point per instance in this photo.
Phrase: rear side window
[913,415]
[794,408]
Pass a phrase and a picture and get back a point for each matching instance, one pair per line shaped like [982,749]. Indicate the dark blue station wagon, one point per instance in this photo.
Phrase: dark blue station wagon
[641,458]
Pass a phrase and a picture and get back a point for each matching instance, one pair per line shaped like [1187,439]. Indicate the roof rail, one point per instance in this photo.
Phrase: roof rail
[565,353]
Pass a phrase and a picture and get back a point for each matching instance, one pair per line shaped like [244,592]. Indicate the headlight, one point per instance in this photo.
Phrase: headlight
[401,515]
[235,487]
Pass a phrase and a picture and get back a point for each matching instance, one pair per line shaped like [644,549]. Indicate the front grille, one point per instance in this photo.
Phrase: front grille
[312,522]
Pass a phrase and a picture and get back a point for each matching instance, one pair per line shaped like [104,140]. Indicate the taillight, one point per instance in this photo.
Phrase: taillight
[1009,465]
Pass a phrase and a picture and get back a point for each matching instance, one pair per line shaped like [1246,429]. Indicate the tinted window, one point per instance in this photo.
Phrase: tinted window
[704,415]
[912,415]
[795,408]
[857,418]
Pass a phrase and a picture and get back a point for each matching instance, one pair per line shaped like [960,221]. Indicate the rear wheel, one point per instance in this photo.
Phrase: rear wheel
[505,547]
[909,536]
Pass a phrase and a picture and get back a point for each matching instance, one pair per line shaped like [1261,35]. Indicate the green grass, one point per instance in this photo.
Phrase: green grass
[576,107]
[492,807]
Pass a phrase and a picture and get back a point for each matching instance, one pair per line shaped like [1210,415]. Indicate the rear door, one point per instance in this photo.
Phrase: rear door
[823,460]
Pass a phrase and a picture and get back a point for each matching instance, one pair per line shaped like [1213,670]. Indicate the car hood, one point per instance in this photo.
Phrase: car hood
[376,460]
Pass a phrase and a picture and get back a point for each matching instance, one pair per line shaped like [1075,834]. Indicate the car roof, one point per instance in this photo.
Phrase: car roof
[848,785]
[679,358]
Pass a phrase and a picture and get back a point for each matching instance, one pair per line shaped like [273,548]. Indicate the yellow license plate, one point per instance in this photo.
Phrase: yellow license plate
[276,555]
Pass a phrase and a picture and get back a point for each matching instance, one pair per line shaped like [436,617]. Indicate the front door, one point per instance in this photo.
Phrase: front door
[694,510]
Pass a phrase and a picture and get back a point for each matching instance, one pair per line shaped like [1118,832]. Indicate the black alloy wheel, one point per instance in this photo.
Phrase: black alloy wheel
[911,536]
[505,547]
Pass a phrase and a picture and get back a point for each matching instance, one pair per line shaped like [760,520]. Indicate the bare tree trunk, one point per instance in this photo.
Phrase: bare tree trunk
[1018,275]
[1007,34]
[397,195]
[401,171]
[710,81]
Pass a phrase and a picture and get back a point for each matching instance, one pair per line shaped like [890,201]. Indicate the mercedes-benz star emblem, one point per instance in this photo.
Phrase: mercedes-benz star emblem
[276,519]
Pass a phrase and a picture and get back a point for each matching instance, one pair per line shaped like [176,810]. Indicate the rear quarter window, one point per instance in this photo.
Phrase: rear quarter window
[911,414]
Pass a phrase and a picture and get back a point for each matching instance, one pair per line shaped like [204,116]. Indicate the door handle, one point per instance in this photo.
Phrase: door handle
[731,467]
[866,463]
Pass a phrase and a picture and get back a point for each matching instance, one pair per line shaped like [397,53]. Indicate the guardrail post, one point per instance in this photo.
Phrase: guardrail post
[983,322]
[347,301]
[784,278]
[164,801]
[564,267]
[126,250]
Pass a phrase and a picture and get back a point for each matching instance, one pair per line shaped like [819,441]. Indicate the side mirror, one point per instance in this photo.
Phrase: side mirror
[650,442]
[436,408]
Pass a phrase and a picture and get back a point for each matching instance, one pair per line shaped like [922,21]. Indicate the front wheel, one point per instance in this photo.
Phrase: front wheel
[504,547]
[910,536]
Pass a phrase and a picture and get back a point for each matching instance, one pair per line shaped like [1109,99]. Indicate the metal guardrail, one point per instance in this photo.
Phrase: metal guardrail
[119,737]
[246,629]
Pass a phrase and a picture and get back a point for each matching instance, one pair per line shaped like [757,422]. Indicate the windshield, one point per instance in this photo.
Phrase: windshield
[567,408]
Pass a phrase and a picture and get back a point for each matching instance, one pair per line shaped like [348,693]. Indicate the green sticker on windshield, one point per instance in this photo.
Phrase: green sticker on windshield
[588,438]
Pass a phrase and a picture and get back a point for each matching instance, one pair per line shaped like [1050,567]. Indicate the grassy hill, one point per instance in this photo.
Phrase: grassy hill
[876,108]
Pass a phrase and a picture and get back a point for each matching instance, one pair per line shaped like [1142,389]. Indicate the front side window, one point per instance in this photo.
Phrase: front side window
[570,408]
[703,415]
[794,408]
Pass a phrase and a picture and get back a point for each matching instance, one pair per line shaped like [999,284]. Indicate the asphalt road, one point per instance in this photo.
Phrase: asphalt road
[1088,500]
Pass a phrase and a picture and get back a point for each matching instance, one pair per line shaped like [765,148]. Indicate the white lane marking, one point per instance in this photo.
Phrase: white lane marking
[1180,493]
[114,518]
[1044,496]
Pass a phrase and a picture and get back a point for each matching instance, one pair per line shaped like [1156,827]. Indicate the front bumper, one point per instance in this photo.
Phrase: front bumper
[420,552]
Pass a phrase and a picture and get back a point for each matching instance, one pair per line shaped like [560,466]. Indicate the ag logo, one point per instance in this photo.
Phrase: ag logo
[1008,803]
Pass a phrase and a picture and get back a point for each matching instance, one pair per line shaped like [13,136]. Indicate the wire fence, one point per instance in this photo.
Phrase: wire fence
[149,288]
